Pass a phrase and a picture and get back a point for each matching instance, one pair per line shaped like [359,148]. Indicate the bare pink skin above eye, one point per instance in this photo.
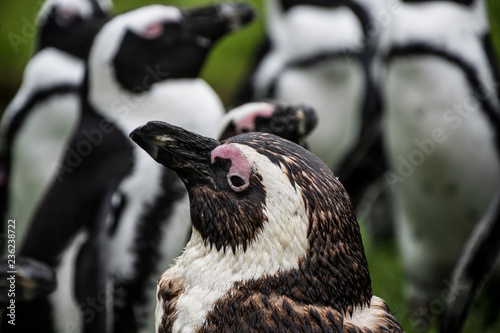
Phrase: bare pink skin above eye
[153,30]
[247,123]
[239,164]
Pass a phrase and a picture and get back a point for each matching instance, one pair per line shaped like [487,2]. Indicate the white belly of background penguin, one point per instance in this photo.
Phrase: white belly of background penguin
[441,135]
[275,244]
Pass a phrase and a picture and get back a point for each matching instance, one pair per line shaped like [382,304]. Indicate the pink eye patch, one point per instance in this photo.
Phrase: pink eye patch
[247,123]
[240,167]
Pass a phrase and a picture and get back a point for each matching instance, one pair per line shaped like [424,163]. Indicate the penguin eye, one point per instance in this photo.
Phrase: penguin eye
[237,183]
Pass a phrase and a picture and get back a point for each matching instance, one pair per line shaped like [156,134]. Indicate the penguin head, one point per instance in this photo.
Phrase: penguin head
[155,43]
[289,121]
[71,25]
[257,186]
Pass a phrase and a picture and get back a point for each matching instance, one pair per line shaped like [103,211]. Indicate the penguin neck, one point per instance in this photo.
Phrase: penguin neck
[172,100]
[337,276]
[207,274]
[334,273]
[274,249]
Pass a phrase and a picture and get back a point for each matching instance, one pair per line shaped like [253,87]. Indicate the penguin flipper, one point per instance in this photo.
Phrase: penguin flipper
[91,272]
[473,269]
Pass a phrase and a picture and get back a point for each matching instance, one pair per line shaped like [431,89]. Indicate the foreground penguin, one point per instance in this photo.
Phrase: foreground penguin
[46,109]
[441,135]
[115,218]
[275,245]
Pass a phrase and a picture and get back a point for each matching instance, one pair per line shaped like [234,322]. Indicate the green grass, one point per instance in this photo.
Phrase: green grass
[387,282]
[223,70]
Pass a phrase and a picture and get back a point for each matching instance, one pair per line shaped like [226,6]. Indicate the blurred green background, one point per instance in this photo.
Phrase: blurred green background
[224,70]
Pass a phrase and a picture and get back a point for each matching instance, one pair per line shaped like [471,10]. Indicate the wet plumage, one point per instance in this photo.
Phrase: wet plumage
[275,243]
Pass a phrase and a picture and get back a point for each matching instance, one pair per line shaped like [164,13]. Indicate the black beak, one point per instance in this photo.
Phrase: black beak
[293,122]
[215,20]
[185,152]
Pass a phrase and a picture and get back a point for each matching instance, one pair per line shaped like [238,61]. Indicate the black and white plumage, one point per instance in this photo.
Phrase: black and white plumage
[289,121]
[441,134]
[125,212]
[320,53]
[275,245]
[46,109]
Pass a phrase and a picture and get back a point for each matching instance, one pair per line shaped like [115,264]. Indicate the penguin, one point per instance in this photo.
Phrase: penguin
[289,121]
[46,108]
[275,245]
[113,217]
[321,53]
[441,135]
